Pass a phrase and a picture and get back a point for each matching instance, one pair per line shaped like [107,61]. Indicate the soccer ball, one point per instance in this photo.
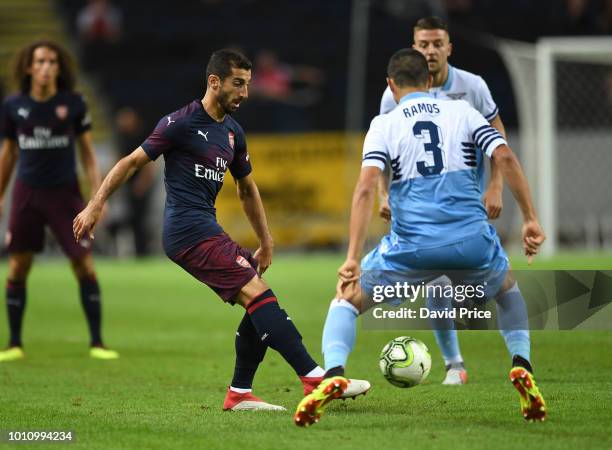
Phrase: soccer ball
[405,362]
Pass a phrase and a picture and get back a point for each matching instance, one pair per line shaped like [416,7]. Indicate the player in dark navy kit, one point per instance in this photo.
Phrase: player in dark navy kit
[200,143]
[40,126]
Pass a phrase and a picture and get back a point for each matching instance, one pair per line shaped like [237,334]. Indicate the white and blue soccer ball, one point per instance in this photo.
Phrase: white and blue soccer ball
[405,362]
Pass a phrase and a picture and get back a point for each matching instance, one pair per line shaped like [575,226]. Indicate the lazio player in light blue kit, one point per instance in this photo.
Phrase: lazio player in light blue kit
[439,225]
[431,38]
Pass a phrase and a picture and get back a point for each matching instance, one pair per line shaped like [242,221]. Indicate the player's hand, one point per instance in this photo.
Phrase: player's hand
[493,202]
[263,256]
[348,291]
[533,237]
[384,211]
[85,222]
[349,271]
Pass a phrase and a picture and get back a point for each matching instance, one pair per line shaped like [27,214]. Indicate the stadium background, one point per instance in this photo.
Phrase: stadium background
[313,95]
[175,337]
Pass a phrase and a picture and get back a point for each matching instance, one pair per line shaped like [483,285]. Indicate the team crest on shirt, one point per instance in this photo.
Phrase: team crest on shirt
[231,139]
[241,260]
[61,111]
[457,96]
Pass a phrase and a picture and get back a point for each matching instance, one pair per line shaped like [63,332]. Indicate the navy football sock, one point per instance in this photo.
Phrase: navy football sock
[518,360]
[15,305]
[250,351]
[276,329]
[90,300]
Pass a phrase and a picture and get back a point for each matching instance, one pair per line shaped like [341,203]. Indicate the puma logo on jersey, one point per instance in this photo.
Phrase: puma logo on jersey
[204,135]
[170,121]
[25,113]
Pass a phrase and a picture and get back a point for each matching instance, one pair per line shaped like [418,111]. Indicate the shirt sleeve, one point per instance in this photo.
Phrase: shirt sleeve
[82,119]
[387,102]
[163,138]
[241,164]
[484,101]
[8,128]
[375,153]
[482,133]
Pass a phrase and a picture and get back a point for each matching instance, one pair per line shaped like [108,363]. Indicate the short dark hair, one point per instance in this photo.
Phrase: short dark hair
[431,23]
[66,78]
[408,67]
[222,61]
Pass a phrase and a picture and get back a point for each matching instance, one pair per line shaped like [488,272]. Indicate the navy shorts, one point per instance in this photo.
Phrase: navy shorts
[34,208]
[219,263]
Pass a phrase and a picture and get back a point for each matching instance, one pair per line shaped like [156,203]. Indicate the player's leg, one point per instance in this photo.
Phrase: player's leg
[25,236]
[91,301]
[275,327]
[60,206]
[486,251]
[19,268]
[445,334]
[338,340]
[250,352]
[225,267]
[513,324]
[340,328]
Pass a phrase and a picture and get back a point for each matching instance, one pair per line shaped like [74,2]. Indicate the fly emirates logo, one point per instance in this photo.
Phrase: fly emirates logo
[216,174]
[43,139]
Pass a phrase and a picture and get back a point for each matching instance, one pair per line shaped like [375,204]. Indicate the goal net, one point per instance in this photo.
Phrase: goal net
[563,89]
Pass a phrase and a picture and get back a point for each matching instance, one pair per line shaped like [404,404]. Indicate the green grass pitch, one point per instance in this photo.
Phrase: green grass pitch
[176,343]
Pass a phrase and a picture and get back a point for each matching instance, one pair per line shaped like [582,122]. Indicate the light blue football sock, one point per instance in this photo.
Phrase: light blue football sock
[339,333]
[513,322]
[444,328]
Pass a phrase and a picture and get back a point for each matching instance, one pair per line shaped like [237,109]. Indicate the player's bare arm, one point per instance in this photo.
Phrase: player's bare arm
[8,159]
[361,213]
[492,198]
[532,233]
[86,221]
[88,161]
[254,210]
[384,211]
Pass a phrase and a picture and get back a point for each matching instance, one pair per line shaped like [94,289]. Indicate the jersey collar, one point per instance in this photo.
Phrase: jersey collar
[449,79]
[414,95]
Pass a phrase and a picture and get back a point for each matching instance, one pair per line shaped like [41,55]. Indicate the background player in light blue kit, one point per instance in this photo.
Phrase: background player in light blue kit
[439,224]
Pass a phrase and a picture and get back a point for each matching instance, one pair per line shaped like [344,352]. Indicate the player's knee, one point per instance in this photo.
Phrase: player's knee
[509,283]
[355,301]
[19,268]
[254,288]
[83,268]
[351,293]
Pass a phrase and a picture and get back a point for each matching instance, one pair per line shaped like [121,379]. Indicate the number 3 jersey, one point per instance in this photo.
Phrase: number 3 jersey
[430,145]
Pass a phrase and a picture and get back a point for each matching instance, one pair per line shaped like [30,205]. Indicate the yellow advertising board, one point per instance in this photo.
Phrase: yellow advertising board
[306,183]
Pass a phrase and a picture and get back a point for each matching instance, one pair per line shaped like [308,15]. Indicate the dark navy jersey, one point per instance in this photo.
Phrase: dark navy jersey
[45,133]
[197,153]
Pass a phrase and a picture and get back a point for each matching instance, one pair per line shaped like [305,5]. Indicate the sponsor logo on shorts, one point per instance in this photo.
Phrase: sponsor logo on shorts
[241,260]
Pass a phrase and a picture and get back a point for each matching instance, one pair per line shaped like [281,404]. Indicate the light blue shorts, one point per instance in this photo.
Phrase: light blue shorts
[475,260]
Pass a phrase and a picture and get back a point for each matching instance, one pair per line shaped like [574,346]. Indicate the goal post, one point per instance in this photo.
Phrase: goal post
[563,89]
